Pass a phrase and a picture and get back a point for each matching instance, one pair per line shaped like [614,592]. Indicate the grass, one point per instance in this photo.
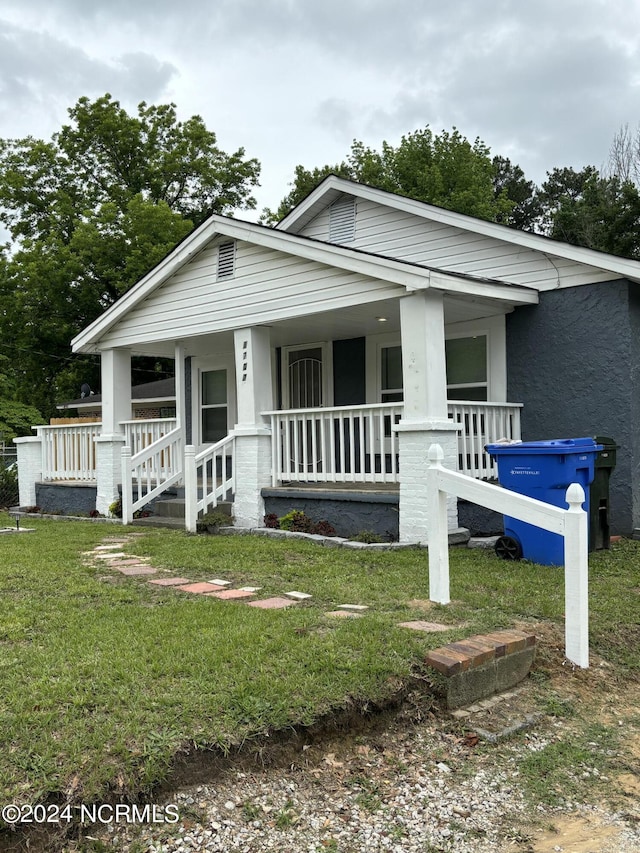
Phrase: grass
[103,680]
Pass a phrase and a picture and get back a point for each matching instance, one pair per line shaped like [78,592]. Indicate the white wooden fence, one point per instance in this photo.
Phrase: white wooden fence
[571,523]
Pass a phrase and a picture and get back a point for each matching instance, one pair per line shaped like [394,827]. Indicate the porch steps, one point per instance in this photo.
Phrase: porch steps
[173,509]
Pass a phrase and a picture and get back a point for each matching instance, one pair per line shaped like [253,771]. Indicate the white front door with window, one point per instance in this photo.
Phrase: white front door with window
[214,412]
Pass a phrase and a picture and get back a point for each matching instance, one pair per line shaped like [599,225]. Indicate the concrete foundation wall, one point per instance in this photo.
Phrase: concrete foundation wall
[63,499]
[350,513]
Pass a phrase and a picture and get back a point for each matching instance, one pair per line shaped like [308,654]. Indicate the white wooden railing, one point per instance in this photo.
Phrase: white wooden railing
[209,478]
[482,423]
[338,444]
[141,433]
[150,471]
[571,523]
[69,451]
[356,444]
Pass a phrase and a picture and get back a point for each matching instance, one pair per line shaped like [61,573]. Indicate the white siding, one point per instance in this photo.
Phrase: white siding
[395,234]
[267,286]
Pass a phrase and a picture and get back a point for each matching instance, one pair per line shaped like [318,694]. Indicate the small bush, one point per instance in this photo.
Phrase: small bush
[8,485]
[296,521]
[214,519]
[368,537]
[115,509]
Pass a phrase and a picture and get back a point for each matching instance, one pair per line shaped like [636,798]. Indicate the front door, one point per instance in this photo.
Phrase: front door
[214,414]
[304,379]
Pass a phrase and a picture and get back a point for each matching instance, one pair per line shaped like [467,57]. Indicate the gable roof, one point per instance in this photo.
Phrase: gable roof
[334,187]
[160,390]
[405,274]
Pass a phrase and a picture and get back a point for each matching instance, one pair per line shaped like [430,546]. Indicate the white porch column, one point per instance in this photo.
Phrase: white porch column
[425,421]
[29,461]
[116,407]
[254,394]
[181,401]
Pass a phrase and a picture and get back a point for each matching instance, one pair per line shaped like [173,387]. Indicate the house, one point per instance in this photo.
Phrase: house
[149,400]
[317,361]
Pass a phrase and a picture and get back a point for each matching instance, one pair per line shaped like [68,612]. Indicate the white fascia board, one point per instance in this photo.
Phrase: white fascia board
[409,276]
[328,189]
[185,250]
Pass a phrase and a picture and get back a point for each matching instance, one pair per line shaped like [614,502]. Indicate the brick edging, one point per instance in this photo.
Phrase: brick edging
[473,652]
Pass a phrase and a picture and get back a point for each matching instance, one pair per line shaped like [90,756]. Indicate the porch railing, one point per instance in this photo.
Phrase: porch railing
[69,451]
[209,478]
[339,444]
[141,433]
[482,423]
[149,472]
[356,444]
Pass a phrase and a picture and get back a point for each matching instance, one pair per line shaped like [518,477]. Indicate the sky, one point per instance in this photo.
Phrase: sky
[544,82]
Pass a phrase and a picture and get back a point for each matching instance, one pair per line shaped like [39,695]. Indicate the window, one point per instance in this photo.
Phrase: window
[226,260]
[342,220]
[391,374]
[214,405]
[467,377]
[467,368]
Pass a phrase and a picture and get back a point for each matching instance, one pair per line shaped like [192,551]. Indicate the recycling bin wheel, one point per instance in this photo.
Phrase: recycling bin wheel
[508,548]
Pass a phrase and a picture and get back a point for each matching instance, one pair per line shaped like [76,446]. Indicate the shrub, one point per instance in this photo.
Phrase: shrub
[368,537]
[115,510]
[212,520]
[298,521]
[8,485]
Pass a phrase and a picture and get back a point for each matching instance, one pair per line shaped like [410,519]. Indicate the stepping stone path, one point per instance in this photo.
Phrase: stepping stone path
[110,554]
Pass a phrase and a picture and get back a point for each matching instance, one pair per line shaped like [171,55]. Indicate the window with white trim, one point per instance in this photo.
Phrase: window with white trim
[467,373]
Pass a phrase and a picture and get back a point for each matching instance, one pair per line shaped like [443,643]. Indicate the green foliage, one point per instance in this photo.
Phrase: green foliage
[90,212]
[586,209]
[8,485]
[297,521]
[443,169]
[215,518]
[368,537]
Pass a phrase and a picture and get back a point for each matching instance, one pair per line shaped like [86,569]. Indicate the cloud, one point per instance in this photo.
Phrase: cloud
[42,73]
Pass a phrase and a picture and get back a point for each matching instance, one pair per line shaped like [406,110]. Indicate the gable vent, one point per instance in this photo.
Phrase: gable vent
[226,260]
[342,220]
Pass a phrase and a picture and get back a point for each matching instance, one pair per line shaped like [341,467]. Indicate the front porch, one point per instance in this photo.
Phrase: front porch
[344,456]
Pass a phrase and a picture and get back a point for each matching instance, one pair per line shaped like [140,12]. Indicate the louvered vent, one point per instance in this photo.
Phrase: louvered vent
[226,260]
[342,220]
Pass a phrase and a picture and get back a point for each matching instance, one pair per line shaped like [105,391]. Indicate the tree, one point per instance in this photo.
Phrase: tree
[509,180]
[443,169]
[89,213]
[589,210]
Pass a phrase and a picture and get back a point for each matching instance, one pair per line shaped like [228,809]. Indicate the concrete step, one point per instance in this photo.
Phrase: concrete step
[159,521]
[169,508]
[174,508]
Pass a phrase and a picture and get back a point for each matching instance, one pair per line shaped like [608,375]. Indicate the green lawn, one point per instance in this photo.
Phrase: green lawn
[103,678]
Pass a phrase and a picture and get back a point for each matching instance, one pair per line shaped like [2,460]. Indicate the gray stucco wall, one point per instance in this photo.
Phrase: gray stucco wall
[574,361]
[349,512]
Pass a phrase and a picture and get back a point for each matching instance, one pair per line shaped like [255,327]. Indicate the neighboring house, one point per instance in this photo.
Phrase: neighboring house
[317,361]
[149,400]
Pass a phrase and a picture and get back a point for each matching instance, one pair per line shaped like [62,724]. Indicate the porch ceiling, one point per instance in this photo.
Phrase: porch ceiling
[354,322]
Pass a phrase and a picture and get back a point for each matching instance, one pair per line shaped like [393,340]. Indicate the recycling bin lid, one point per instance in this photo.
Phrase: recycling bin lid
[552,446]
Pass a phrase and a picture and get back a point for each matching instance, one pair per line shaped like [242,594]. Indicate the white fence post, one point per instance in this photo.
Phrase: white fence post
[127,486]
[576,578]
[438,529]
[190,488]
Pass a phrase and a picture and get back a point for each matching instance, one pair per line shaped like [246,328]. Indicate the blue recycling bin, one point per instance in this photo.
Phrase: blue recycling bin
[542,470]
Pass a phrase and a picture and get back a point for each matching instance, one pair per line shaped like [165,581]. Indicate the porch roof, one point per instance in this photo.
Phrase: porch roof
[407,276]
